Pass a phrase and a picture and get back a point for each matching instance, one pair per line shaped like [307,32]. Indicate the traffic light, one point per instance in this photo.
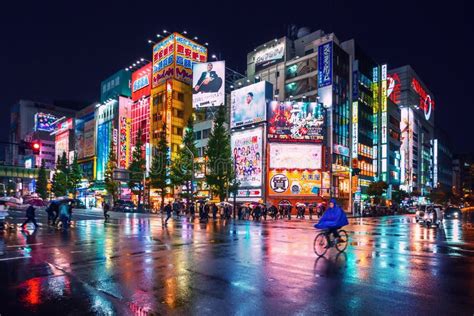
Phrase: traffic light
[35,147]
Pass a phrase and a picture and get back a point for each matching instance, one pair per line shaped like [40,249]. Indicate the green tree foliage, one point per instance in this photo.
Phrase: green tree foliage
[60,178]
[220,176]
[42,182]
[137,168]
[182,165]
[159,170]
[75,176]
[377,189]
[111,186]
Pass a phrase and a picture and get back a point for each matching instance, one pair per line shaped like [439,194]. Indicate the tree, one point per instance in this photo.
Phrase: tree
[219,158]
[42,182]
[60,183]
[111,186]
[160,165]
[377,189]
[181,172]
[399,195]
[75,176]
[137,168]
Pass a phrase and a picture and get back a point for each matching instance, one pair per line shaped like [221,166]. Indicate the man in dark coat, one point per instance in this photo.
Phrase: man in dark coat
[208,82]
[168,210]
[30,217]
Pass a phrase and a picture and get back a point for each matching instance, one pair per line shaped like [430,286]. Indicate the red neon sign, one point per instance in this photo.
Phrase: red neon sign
[427,104]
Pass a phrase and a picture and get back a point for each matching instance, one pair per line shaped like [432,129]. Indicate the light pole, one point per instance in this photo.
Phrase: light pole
[183,146]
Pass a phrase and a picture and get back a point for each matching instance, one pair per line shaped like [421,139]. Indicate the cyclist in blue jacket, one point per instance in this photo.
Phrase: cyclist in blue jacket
[333,219]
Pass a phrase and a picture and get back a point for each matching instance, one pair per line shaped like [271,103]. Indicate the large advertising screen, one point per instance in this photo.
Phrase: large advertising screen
[295,156]
[298,182]
[208,84]
[295,121]
[269,56]
[61,143]
[247,150]
[248,105]
[141,82]
[44,122]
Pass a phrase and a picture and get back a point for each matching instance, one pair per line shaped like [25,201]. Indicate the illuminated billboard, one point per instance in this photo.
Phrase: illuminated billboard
[188,53]
[44,122]
[269,56]
[295,156]
[208,84]
[325,65]
[296,182]
[88,149]
[163,60]
[117,84]
[61,143]
[174,57]
[295,121]
[141,82]
[248,104]
[124,132]
[247,150]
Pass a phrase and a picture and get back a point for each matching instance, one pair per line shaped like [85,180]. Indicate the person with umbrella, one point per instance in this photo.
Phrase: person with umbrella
[30,217]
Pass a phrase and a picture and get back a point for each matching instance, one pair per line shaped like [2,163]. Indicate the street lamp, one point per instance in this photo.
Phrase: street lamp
[183,146]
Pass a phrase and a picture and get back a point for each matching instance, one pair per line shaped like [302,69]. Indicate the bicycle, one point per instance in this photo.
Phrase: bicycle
[322,242]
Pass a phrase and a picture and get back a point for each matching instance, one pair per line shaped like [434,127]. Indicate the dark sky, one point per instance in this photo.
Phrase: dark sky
[63,49]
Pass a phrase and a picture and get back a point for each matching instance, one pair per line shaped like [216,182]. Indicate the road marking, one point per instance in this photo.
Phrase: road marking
[15,258]
[13,246]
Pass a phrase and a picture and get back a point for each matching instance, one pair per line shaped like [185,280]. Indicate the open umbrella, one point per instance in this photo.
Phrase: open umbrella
[37,202]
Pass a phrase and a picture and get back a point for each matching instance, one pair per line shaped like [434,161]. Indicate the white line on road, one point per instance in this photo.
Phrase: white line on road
[13,246]
[15,258]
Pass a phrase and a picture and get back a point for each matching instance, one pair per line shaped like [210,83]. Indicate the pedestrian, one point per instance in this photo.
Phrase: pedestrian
[106,209]
[30,217]
[289,209]
[168,210]
[64,214]
[240,212]
[310,209]
[201,210]
[265,212]
[214,211]
[281,211]
[191,211]
[50,212]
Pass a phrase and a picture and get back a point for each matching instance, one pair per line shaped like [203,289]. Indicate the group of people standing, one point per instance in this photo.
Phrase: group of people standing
[284,211]
[57,209]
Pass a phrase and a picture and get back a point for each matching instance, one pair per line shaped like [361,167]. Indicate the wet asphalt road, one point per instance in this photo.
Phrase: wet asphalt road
[132,266]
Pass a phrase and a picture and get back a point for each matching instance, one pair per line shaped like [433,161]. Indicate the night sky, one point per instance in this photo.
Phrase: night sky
[62,50]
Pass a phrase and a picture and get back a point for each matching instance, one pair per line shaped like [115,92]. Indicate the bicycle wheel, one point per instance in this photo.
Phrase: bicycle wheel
[341,245]
[320,244]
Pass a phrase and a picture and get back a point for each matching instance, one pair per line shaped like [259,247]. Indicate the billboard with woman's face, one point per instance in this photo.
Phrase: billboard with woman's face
[247,151]
[248,104]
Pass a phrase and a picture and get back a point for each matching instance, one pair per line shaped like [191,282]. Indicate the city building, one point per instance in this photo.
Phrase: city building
[417,104]
[463,175]
[112,115]
[30,119]
[85,140]
[171,93]
[442,161]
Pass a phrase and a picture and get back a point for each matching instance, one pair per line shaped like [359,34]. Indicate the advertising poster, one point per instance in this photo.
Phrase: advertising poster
[269,56]
[187,54]
[247,150]
[141,82]
[295,121]
[89,139]
[79,142]
[208,84]
[61,144]
[248,105]
[294,182]
[44,122]
[295,156]
[124,132]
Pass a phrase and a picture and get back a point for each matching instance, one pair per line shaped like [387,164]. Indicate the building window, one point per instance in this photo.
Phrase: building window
[178,96]
[197,135]
[205,133]
[178,131]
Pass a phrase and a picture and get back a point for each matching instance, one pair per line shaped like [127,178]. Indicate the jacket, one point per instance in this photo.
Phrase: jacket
[334,217]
